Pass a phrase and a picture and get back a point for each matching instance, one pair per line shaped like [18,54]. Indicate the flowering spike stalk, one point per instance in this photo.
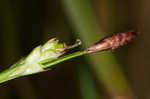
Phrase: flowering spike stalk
[33,63]
[49,54]
[112,42]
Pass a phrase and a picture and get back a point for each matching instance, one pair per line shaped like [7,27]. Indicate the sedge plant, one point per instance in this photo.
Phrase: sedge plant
[45,56]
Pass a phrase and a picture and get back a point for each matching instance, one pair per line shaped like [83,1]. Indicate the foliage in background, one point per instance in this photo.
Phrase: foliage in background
[25,24]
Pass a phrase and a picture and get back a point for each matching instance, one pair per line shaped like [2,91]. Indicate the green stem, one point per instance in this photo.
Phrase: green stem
[105,65]
[16,70]
[62,59]
[8,73]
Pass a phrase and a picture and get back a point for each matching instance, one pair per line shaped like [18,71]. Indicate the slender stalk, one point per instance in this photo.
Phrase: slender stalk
[105,65]
[10,73]
[47,55]
[62,59]
[86,80]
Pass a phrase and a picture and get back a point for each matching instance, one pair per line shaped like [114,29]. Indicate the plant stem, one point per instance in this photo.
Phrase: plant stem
[47,55]
[62,59]
[16,70]
[105,65]
[6,75]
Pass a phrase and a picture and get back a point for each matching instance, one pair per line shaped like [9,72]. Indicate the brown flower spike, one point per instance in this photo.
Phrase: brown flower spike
[112,42]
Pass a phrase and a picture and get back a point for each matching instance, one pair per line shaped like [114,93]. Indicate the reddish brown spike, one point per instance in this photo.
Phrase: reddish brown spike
[112,42]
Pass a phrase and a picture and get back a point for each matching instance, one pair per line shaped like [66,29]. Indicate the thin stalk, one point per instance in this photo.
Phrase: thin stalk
[6,75]
[11,73]
[47,55]
[88,89]
[62,59]
[106,66]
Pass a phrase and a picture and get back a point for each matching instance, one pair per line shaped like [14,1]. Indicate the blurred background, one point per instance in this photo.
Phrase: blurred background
[118,74]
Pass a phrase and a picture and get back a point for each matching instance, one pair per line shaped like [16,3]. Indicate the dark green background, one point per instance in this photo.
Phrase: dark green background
[24,24]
